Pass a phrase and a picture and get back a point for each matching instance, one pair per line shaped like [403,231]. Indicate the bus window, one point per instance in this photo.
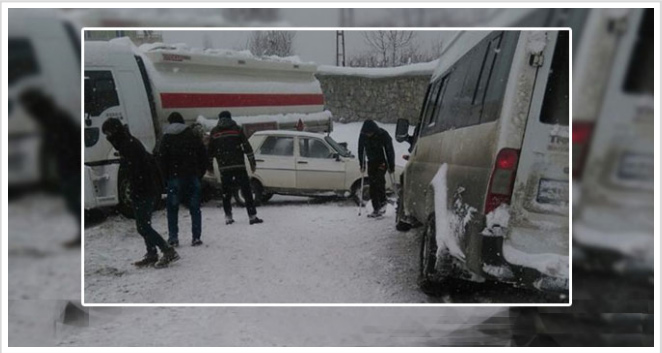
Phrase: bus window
[100,92]
[22,60]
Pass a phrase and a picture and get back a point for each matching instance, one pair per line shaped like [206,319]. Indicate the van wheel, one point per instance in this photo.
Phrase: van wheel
[125,205]
[428,277]
[356,190]
[256,189]
[400,225]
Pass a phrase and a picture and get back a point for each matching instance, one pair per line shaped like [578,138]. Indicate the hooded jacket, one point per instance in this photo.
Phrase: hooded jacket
[182,153]
[228,144]
[378,147]
[140,166]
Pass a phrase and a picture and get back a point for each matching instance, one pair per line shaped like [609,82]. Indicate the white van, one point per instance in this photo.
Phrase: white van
[488,175]
[612,132]
[43,52]
[142,86]
[614,219]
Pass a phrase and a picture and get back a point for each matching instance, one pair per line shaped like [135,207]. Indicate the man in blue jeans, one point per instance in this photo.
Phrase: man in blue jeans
[146,186]
[183,159]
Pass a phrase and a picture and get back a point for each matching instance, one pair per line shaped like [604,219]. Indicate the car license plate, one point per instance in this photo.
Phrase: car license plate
[636,167]
[552,191]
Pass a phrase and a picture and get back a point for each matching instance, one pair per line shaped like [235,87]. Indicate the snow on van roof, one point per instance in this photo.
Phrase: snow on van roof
[456,48]
[375,72]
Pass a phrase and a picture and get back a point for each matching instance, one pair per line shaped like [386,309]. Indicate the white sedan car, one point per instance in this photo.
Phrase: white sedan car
[304,164]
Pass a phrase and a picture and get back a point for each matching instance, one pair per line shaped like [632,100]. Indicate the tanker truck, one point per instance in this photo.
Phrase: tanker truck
[142,85]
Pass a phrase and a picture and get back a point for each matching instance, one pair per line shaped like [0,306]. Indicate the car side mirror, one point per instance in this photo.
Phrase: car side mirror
[402,130]
[336,156]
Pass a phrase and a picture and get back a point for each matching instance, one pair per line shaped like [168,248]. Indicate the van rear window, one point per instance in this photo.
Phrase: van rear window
[22,61]
[556,104]
[640,75]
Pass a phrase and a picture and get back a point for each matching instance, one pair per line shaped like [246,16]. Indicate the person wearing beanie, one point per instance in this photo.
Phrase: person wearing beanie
[183,160]
[376,144]
[228,145]
[146,186]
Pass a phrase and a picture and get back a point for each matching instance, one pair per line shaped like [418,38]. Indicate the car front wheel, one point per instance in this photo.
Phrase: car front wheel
[257,191]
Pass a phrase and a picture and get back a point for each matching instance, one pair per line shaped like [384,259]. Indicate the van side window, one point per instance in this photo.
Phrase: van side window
[22,60]
[493,48]
[431,102]
[640,75]
[100,92]
[556,103]
[472,90]
[498,77]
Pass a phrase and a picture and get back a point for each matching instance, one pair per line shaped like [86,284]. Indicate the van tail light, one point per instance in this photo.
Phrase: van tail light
[581,137]
[502,179]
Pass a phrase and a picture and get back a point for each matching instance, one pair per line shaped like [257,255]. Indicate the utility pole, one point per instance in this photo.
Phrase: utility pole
[340,48]
[346,20]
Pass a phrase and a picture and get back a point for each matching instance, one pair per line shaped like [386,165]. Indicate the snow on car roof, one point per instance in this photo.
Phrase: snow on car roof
[289,133]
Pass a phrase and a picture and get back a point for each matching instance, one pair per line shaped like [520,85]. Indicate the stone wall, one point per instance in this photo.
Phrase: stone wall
[352,97]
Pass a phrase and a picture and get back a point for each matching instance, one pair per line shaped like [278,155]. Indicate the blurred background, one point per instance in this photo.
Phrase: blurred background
[612,166]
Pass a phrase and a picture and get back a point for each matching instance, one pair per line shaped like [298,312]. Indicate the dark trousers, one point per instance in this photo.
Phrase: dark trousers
[143,207]
[376,178]
[178,187]
[228,179]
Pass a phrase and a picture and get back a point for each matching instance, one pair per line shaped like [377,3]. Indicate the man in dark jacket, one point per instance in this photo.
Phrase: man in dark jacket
[228,144]
[376,144]
[62,136]
[183,161]
[146,186]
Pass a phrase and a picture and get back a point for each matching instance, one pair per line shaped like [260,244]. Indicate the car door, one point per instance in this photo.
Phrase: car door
[275,162]
[317,166]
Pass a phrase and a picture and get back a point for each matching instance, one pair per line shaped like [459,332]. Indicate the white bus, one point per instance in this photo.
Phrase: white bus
[43,52]
[142,86]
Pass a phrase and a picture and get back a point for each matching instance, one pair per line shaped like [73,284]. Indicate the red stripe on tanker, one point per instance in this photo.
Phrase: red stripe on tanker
[210,100]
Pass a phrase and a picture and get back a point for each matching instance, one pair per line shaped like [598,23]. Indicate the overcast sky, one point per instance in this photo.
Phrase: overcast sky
[318,46]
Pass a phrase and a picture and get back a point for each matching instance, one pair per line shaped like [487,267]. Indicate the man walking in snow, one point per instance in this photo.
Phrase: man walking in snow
[183,160]
[376,144]
[228,144]
[146,187]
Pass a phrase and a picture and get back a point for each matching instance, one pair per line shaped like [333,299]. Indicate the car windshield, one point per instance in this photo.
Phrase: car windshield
[336,146]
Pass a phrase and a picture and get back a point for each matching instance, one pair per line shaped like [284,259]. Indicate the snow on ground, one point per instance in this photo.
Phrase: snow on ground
[41,274]
[292,326]
[303,253]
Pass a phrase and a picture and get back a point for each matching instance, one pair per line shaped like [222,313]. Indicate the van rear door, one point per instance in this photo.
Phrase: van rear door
[539,222]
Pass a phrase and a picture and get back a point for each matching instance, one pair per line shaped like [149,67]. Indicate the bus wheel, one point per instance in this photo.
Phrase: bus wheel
[125,205]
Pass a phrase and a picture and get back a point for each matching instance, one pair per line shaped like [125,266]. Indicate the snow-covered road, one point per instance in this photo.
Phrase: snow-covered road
[307,251]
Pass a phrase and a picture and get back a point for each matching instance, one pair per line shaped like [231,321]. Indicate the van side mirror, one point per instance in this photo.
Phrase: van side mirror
[336,156]
[402,130]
